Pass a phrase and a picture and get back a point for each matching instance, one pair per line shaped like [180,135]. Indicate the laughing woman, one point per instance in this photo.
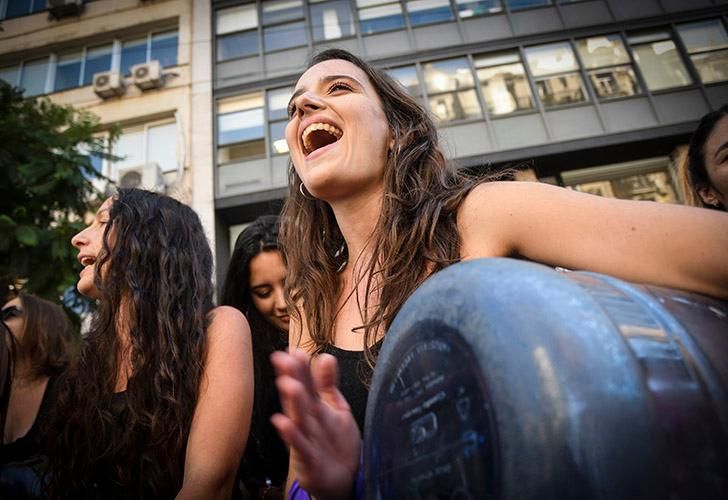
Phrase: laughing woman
[374,209]
[152,409]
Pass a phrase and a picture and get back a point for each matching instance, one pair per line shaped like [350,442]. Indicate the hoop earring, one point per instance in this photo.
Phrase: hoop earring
[300,189]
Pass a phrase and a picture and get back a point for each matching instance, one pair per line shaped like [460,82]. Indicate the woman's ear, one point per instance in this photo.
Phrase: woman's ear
[709,196]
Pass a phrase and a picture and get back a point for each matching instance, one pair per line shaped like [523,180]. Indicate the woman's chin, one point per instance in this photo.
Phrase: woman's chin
[87,289]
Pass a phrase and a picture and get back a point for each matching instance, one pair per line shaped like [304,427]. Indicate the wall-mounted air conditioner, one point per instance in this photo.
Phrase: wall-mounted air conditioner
[147,75]
[148,176]
[63,8]
[108,84]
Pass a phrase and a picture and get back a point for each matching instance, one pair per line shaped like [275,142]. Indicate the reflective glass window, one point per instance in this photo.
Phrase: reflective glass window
[10,74]
[659,61]
[284,36]
[380,17]
[16,8]
[278,103]
[450,88]
[504,84]
[129,147]
[525,4]
[610,70]
[239,18]
[278,142]
[278,11]
[331,20]
[467,8]
[241,119]
[555,69]
[34,75]
[235,45]
[707,43]
[407,76]
[68,71]
[133,52]
[429,11]
[162,145]
[164,48]
[98,60]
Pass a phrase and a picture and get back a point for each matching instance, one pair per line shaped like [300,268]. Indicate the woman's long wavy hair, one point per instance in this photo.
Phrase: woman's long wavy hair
[415,236]
[265,455]
[697,174]
[154,278]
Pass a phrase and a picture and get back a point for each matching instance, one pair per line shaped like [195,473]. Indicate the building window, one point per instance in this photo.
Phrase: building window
[98,60]
[504,83]
[10,74]
[161,47]
[526,4]
[451,90]
[707,43]
[149,143]
[237,33]
[658,60]
[608,65]
[68,71]
[429,11]
[278,119]
[278,30]
[376,16]
[240,128]
[467,8]
[331,20]
[17,8]
[34,77]
[556,74]
[407,77]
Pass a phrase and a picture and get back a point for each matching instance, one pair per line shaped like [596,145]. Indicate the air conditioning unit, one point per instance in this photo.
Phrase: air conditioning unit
[108,84]
[147,176]
[147,75]
[63,8]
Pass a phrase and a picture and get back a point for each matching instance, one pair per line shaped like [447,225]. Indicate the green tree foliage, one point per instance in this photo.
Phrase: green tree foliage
[46,189]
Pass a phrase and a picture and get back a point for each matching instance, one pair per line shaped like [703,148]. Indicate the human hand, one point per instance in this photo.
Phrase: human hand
[317,424]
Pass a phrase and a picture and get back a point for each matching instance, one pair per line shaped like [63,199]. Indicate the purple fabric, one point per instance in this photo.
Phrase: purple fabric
[298,493]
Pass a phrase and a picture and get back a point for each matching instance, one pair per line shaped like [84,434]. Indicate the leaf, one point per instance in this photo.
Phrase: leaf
[6,222]
[27,235]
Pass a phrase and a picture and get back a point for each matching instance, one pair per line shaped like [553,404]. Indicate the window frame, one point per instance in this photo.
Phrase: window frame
[110,167]
[680,41]
[114,63]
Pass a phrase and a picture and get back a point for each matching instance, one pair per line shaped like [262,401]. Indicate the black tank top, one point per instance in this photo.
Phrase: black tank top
[23,462]
[354,379]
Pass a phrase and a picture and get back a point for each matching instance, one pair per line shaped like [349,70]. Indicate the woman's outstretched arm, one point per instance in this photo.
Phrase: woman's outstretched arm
[645,242]
[222,417]
[317,424]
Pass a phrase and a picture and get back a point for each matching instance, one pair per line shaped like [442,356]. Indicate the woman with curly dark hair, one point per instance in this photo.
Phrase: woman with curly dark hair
[374,209]
[707,161]
[254,284]
[43,345]
[159,403]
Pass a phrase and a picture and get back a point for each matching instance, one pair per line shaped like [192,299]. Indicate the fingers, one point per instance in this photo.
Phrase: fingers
[326,379]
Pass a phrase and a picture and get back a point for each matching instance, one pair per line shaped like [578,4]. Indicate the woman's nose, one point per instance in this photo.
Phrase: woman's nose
[307,102]
[79,239]
[280,301]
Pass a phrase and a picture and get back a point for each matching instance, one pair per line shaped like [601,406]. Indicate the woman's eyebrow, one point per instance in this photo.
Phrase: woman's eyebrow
[323,79]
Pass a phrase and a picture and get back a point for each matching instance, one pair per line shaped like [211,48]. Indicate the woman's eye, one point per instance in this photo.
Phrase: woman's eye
[262,294]
[339,86]
[291,110]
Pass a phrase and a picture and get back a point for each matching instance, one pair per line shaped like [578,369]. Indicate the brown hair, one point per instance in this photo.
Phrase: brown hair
[697,174]
[416,233]
[48,341]
[159,267]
